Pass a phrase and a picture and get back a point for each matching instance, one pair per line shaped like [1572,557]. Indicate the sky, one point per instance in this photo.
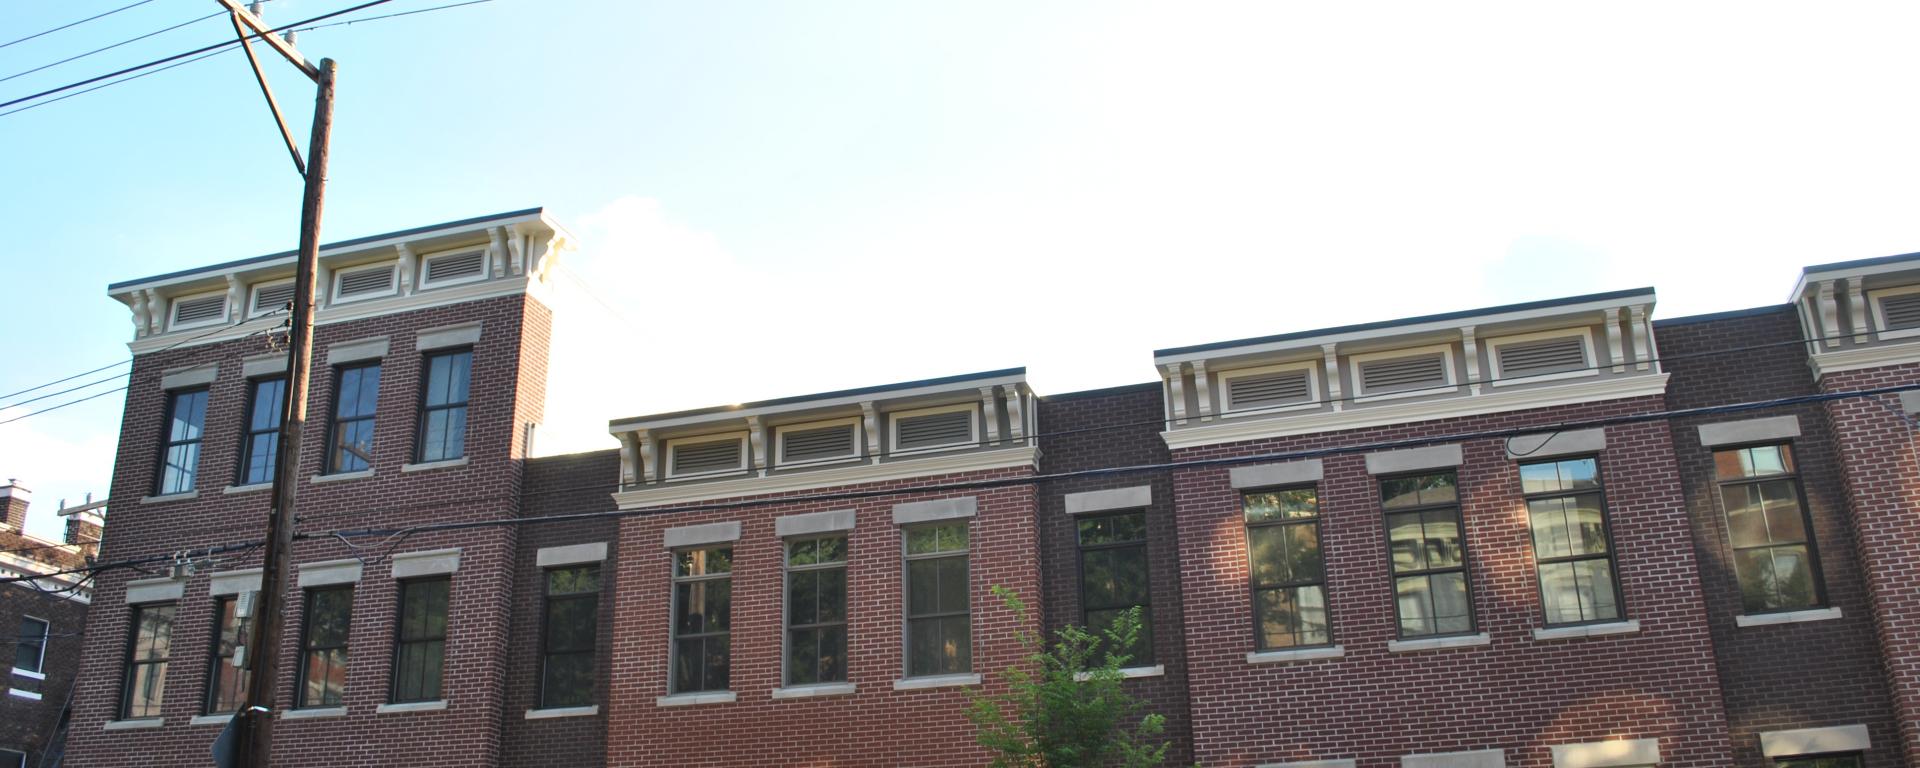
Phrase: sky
[955,187]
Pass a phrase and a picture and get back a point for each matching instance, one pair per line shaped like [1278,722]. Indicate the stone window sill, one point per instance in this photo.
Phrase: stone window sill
[811,691]
[313,713]
[341,477]
[1129,673]
[233,489]
[211,719]
[1439,643]
[939,681]
[433,465]
[548,714]
[1310,764]
[411,706]
[30,695]
[187,496]
[1301,654]
[1588,630]
[695,699]
[134,725]
[29,674]
[1789,617]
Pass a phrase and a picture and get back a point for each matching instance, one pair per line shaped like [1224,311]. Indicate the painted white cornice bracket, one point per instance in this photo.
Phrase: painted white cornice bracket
[156,312]
[1177,393]
[236,300]
[1829,316]
[757,439]
[516,250]
[408,261]
[138,307]
[990,408]
[1469,344]
[1330,360]
[496,252]
[1616,353]
[1641,333]
[1857,308]
[1016,421]
[870,417]
[1202,389]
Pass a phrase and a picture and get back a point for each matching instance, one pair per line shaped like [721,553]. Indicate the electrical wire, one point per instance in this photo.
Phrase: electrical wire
[51,408]
[75,24]
[391,15]
[80,56]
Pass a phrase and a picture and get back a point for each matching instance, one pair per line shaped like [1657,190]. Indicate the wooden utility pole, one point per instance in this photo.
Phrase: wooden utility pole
[253,724]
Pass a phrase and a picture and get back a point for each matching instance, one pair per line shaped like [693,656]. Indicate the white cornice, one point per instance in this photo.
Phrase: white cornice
[1856,358]
[326,315]
[15,567]
[919,466]
[1612,388]
[961,390]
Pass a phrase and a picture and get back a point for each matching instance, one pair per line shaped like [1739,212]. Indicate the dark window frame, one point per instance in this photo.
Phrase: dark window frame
[1820,598]
[906,589]
[789,629]
[1465,568]
[307,649]
[427,411]
[219,659]
[401,641]
[1606,525]
[1859,759]
[134,665]
[167,443]
[334,420]
[1081,548]
[1254,588]
[248,433]
[675,636]
[592,651]
[46,631]
[9,756]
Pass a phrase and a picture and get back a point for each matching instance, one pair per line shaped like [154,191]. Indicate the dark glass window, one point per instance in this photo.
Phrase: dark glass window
[939,620]
[12,759]
[1571,548]
[1113,578]
[1773,553]
[355,398]
[1289,574]
[572,629]
[420,650]
[702,618]
[1823,761]
[323,652]
[443,409]
[180,458]
[817,610]
[260,445]
[1427,551]
[30,645]
[226,684]
[148,649]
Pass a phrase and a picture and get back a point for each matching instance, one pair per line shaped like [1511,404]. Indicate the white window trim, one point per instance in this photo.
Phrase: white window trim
[393,282]
[1446,357]
[173,310]
[253,296]
[893,429]
[46,634]
[1228,408]
[1880,316]
[674,444]
[426,284]
[780,443]
[1585,335]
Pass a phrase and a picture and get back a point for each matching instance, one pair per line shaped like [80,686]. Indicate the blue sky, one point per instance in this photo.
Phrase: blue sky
[1065,186]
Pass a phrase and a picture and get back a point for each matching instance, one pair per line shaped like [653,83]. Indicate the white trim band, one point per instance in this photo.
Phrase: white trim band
[313,713]
[937,681]
[263,365]
[813,522]
[1439,643]
[193,376]
[411,706]
[811,691]
[234,582]
[329,572]
[463,335]
[1480,758]
[1115,498]
[1128,673]
[548,714]
[1301,654]
[1787,617]
[1815,741]
[133,725]
[1750,431]
[428,563]
[1550,444]
[571,554]
[938,509]
[1619,753]
[1272,475]
[694,535]
[1413,459]
[357,351]
[1588,630]
[693,699]
[1310,764]
[155,590]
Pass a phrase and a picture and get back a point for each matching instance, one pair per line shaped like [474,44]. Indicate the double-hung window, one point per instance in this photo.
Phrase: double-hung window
[1427,553]
[1773,552]
[443,407]
[323,647]
[571,631]
[260,446]
[702,618]
[817,611]
[180,457]
[30,646]
[1571,548]
[226,684]
[356,394]
[939,618]
[1824,761]
[420,649]
[1289,574]
[1113,579]
[149,647]
[13,758]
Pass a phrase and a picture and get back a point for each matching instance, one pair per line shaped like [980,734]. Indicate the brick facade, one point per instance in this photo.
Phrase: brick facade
[34,706]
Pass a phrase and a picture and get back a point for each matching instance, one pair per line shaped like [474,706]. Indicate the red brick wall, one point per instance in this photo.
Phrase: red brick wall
[26,725]
[1518,694]
[1788,676]
[876,725]
[1114,428]
[467,733]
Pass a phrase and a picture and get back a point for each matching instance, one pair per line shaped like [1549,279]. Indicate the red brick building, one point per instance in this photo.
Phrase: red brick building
[1455,541]
[45,613]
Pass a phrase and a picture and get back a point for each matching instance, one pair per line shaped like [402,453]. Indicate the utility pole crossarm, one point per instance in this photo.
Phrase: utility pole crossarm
[261,29]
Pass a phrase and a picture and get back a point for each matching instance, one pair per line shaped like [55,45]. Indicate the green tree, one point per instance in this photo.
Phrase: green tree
[1064,707]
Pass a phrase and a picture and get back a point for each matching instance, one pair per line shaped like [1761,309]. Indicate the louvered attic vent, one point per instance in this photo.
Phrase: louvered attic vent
[272,297]
[1901,311]
[200,310]
[458,266]
[1268,389]
[934,429]
[1556,355]
[698,458]
[366,282]
[1403,373]
[833,442]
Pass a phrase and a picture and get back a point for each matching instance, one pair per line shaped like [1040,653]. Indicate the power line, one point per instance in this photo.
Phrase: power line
[111,47]
[67,379]
[75,24]
[114,83]
[69,389]
[392,15]
[189,339]
[65,404]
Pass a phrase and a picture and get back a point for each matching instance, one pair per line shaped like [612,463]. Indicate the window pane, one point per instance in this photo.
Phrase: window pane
[1793,576]
[938,646]
[1267,551]
[953,584]
[703,562]
[30,644]
[1113,529]
[1549,520]
[1746,518]
[930,539]
[833,654]
[569,681]
[923,587]
[1303,554]
[573,581]
[803,657]
[1295,504]
[571,624]
[1442,530]
[1405,542]
[1293,616]
[833,595]
[1785,522]
[1540,478]
[1099,622]
[803,597]
[1415,606]
[1450,603]
[268,399]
